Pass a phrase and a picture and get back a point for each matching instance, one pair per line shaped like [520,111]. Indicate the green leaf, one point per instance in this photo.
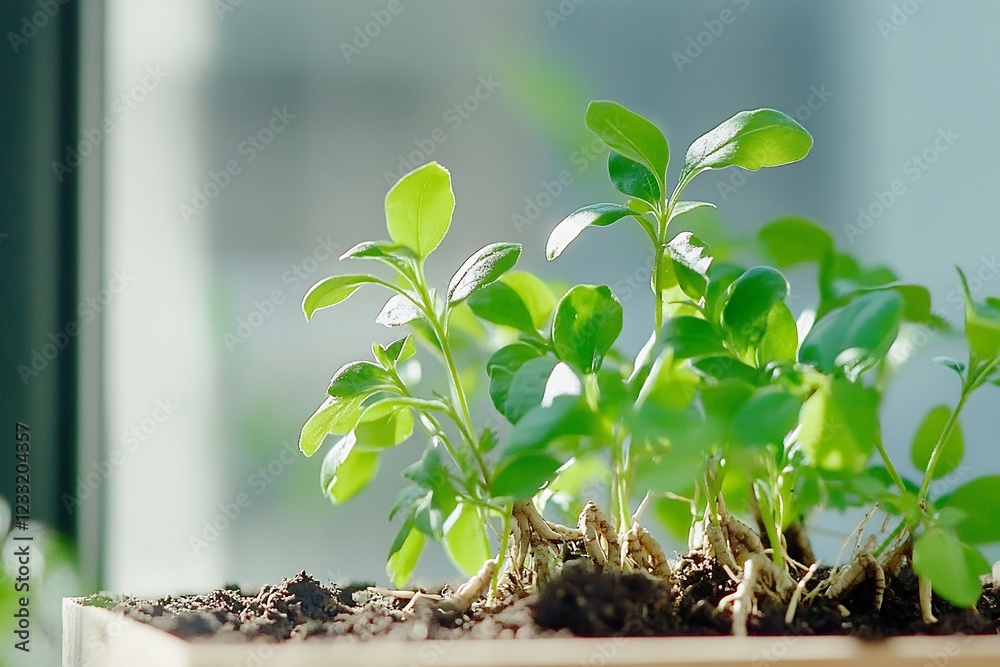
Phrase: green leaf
[631,135]
[542,425]
[691,263]
[781,336]
[501,368]
[953,568]
[767,417]
[535,294]
[395,352]
[347,469]
[587,322]
[404,554]
[838,426]
[916,299]
[982,329]
[482,268]
[682,207]
[751,297]
[465,539]
[527,387]
[328,418]
[980,501]
[724,367]
[500,304]
[721,275]
[791,241]
[982,324]
[691,337]
[383,424]
[397,311]
[927,436]
[632,178]
[521,476]
[596,215]
[360,378]
[953,364]
[749,140]
[331,291]
[393,254]
[864,329]
[418,208]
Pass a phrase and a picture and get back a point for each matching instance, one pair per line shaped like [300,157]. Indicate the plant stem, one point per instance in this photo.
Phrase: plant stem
[949,426]
[896,479]
[502,556]
[463,418]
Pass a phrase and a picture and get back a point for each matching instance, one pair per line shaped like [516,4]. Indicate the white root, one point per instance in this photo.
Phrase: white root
[742,600]
[545,529]
[659,565]
[471,590]
[797,594]
[855,572]
[598,537]
[925,590]
[746,545]
[719,544]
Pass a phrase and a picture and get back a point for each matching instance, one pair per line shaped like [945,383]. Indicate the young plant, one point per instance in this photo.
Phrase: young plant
[733,406]
[372,408]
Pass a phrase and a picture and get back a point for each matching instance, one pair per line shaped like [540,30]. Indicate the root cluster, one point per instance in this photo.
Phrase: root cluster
[538,548]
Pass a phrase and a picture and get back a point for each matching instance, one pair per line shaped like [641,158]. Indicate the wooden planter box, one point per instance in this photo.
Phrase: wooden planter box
[94,637]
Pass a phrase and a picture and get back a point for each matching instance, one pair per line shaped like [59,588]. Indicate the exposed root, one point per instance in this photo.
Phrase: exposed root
[797,593]
[926,612]
[718,542]
[742,600]
[847,578]
[470,591]
[746,545]
[598,537]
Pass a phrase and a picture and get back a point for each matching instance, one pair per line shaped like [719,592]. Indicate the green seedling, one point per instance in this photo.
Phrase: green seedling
[735,407]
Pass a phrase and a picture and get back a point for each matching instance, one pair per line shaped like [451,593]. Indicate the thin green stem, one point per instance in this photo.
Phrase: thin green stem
[949,426]
[896,479]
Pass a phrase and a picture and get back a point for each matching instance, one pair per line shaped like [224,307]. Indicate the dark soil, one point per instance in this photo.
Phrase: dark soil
[581,602]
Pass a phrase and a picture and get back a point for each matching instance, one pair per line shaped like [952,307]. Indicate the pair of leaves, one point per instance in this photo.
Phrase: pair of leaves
[640,156]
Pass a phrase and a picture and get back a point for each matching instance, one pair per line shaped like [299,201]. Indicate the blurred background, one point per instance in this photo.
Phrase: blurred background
[190,168]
